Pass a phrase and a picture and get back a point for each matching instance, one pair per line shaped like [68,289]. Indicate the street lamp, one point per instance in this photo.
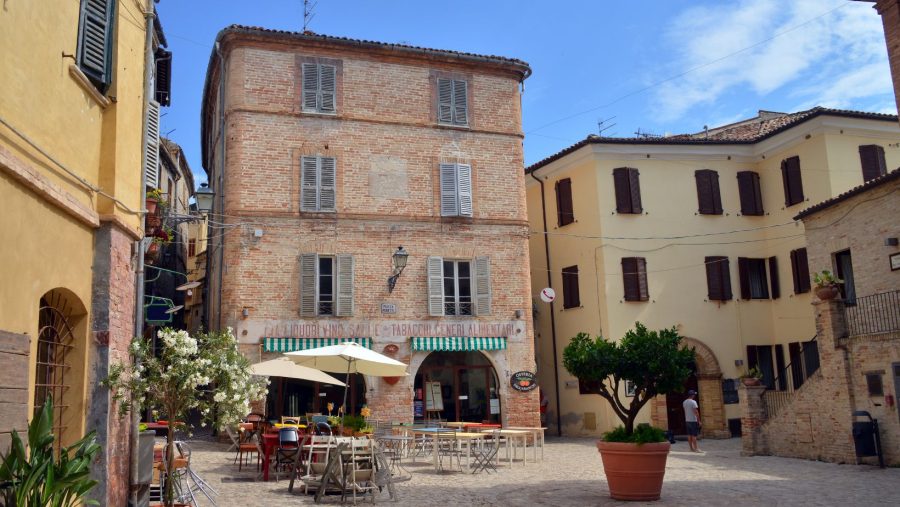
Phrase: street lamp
[204,196]
[399,260]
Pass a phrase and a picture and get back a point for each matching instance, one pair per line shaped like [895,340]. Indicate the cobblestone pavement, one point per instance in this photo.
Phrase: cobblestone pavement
[571,474]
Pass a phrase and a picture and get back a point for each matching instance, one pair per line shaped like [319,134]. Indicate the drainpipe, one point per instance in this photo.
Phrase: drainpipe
[552,313]
[139,244]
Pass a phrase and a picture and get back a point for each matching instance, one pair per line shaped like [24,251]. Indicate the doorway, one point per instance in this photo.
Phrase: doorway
[469,388]
[293,397]
[675,407]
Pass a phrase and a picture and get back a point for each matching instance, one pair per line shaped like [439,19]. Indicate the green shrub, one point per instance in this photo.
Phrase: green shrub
[643,434]
[36,476]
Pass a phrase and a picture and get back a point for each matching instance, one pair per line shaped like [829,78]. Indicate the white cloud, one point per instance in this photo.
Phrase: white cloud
[842,53]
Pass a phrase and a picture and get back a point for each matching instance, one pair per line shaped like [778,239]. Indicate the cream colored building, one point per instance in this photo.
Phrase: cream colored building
[702,226]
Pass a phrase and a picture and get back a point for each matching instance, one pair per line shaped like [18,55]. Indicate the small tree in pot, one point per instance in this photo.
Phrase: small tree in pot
[657,364]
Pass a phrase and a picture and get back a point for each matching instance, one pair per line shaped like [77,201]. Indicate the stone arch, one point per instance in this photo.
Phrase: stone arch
[495,358]
[707,364]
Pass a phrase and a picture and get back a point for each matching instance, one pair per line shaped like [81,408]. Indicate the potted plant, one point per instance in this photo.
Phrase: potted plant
[634,459]
[154,197]
[34,473]
[826,285]
[753,377]
[206,373]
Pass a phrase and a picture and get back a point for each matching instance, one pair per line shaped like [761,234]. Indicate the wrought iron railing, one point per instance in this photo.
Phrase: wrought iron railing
[878,313]
[792,376]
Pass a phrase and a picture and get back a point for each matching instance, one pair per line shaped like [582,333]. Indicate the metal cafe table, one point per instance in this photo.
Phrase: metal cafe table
[438,433]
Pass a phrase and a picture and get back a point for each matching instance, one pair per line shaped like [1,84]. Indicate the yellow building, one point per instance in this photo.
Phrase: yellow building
[72,129]
[694,231]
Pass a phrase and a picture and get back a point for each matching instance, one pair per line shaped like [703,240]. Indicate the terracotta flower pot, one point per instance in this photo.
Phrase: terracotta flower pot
[634,472]
[153,221]
[827,292]
[751,381]
[151,204]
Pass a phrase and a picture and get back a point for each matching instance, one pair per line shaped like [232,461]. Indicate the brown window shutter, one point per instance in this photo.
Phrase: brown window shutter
[718,279]
[800,271]
[773,275]
[708,196]
[873,164]
[564,210]
[714,191]
[779,365]
[744,276]
[630,279]
[793,183]
[623,192]
[751,198]
[643,288]
[752,357]
[571,295]
[634,185]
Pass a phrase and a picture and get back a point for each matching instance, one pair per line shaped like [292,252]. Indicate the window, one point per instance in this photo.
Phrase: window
[453,102]
[844,268]
[95,40]
[793,183]
[709,198]
[634,276]
[319,85]
[718,278]
[874,384]
[754,284]
[872,158]
[774,281]
[565,213]
[456,190]
[459,287]
[326,285]
[800,271]
[760,357]
[163,79]
[192,247]
[571,296]
[751,198]
[628,190]
[317,183]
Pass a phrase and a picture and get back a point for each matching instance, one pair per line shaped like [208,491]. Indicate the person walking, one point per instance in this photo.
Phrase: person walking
[692,419]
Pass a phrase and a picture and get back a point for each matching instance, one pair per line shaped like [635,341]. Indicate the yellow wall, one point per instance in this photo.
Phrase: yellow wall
[46,247]
[676,273]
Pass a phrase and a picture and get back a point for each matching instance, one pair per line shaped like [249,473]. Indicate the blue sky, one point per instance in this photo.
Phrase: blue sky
[661,66]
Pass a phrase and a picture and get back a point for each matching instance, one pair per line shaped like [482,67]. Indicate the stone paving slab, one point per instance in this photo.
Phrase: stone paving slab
[571,475]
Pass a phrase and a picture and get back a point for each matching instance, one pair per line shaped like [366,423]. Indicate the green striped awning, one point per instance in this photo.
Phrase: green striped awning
[291,344]
[458,343]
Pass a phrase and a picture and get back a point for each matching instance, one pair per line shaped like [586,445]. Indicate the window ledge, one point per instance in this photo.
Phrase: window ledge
[319,113]
[87,86]
[452,126]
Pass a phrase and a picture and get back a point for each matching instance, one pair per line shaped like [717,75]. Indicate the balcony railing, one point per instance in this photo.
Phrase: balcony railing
[878,313]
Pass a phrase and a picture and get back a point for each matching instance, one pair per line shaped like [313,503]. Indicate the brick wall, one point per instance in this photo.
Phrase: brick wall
[112,329]
[890,18]
[388,146]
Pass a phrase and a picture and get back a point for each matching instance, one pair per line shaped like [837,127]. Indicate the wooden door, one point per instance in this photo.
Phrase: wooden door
[675,407]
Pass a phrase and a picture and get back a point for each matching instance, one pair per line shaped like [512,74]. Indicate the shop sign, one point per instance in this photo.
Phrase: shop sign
[523,381]
[548,295]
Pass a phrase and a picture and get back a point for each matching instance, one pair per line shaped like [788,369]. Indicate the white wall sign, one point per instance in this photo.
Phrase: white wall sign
[548,295]
[388,308]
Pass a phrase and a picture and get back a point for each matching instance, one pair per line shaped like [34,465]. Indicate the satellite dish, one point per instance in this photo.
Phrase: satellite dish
[174,309]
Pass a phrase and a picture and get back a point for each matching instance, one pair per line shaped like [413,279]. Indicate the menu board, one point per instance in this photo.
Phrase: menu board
[434,401]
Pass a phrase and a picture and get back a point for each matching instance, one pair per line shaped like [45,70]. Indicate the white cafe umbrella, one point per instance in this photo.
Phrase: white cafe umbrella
[284,367]
[349,357]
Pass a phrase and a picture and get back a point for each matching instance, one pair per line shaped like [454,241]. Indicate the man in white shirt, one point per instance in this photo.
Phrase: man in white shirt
[692,419]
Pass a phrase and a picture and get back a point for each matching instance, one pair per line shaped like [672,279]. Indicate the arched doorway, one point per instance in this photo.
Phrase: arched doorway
[59,362]
[468,386]
[706,379]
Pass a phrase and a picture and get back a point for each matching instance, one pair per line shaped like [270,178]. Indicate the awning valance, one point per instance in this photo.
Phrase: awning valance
[271,344]
[458,343]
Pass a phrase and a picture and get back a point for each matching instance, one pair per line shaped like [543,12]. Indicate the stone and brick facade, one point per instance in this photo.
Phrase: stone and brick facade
[379,136]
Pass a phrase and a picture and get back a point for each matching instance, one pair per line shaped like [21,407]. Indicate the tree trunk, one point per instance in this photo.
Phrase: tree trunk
[170,463]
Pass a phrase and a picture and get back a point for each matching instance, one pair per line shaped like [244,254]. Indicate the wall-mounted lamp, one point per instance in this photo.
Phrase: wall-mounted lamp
[204,196]
[399,260]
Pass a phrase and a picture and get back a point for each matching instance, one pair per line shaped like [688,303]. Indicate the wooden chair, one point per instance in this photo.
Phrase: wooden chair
[247,447]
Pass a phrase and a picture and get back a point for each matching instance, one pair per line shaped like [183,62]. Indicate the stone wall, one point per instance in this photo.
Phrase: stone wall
[890,18]
[817,421]
[13,386]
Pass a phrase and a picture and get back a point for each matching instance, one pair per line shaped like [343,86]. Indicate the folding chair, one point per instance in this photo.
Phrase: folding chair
[485,454]
[448,447]
[359,470]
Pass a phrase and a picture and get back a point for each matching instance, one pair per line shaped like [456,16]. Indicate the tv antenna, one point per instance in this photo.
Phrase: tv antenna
[602,125]
[646,135]
[308,14]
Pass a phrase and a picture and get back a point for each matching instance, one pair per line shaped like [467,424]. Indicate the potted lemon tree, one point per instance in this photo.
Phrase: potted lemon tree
[656,363]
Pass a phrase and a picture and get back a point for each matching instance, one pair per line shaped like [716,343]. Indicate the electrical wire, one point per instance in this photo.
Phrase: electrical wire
[654,238]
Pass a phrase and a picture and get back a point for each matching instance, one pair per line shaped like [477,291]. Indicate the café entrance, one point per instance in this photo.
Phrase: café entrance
[468,387]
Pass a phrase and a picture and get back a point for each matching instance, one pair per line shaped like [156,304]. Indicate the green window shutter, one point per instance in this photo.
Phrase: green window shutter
[344,299]
[310,81]
[151,145]
[449,194]
[445,100]
[327,80]
[95,39]
[309,184]
[308,271]
[482,286]
[460,103]
[327,180]
[436,286]
[464,188]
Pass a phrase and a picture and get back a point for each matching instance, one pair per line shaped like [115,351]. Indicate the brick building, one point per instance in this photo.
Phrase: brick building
[326,155]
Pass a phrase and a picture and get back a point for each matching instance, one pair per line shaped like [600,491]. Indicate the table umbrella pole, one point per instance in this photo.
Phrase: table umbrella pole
[344,404]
